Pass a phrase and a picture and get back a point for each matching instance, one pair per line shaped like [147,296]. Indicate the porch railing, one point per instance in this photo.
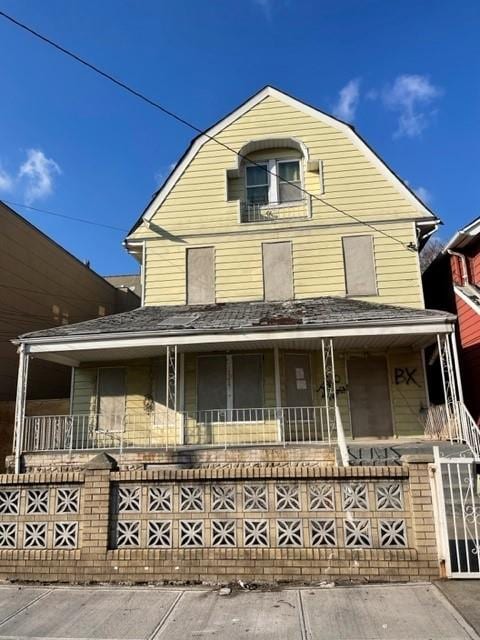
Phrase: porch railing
[453,422]
[171,429]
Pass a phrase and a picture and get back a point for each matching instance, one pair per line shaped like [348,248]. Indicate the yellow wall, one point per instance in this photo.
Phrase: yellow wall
[317,266]
[408,397]
[196,213]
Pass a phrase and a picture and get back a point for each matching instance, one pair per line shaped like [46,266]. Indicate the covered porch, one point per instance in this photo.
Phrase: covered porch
[268,386]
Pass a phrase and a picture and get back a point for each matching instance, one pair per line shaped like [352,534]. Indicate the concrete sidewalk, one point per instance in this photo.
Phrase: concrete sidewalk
[396,612]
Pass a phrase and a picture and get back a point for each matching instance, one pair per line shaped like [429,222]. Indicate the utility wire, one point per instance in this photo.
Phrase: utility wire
[62,215]
[185,122]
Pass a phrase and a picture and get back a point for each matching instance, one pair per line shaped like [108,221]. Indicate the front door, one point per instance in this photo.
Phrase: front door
[369,395]
[299,418]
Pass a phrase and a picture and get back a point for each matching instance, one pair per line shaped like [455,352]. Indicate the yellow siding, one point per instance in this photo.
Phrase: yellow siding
[317,266]
[408,400]
[84,391]
[197,208]
[143,429]
[198,201]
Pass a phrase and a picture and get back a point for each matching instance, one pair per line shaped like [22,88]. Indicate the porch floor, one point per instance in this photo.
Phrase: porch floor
[366,452]
[362,453]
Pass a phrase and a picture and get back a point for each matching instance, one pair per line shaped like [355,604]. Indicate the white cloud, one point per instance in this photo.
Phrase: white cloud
[38,171]
[348,99]
[424,194]
[410,95]
[6,181]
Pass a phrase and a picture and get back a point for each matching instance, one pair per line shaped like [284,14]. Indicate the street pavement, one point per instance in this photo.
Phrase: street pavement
[390,612]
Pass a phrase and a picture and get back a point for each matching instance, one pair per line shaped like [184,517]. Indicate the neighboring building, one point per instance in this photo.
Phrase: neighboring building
[41,286]
[282,299]
[126,283]
[452,283]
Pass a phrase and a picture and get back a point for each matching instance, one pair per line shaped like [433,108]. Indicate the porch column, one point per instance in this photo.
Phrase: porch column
[329,385]
[453,341]
[278,392]
[447,370]
[171,387]
[451,381]
[20,402]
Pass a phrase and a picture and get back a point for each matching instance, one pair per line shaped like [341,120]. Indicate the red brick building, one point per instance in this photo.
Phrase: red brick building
[452,283]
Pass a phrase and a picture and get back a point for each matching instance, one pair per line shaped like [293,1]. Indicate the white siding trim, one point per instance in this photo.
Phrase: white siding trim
[466,299]
[142,340]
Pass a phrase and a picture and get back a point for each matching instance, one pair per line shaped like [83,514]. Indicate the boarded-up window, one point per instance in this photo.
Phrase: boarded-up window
[200,276]
[277,271]
[230,382]
[359,261]
[159,383]
[111,398]
[247,381]
[212,383]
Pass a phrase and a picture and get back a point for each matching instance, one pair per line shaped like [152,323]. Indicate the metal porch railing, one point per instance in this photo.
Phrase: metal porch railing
[171,429]
[273,211]
[453,422]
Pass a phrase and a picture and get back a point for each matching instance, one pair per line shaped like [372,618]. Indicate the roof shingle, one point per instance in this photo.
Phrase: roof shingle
[235,316]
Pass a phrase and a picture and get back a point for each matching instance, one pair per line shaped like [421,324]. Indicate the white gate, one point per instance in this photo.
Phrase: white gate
[458,499]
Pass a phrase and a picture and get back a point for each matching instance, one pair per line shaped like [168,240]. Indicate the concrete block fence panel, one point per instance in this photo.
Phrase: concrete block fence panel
[263,524]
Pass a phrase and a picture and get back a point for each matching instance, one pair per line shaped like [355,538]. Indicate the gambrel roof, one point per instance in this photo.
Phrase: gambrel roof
[269,91]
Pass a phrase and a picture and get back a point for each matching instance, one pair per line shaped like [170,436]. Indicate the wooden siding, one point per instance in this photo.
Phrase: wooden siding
[197,208]
[468,323]
[408,395]
[318,268]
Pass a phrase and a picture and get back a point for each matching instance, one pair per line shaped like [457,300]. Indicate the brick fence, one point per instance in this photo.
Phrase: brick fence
[263,524]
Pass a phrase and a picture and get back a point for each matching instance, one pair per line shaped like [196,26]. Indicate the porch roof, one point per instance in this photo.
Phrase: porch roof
[184,320]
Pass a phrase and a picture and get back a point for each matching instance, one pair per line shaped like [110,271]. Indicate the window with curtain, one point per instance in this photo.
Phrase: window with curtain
[289,181]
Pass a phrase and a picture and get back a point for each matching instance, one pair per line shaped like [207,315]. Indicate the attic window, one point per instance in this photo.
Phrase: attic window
[273,182]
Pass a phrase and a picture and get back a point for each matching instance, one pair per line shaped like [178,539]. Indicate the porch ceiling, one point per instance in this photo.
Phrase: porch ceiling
[105,353]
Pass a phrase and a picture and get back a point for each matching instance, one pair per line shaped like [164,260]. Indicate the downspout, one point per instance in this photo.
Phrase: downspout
[463,263]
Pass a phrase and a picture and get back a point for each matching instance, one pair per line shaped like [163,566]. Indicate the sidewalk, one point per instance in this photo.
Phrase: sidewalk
[464,595]
[396,612]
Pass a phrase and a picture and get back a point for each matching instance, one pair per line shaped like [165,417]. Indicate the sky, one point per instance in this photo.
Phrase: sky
[406,74]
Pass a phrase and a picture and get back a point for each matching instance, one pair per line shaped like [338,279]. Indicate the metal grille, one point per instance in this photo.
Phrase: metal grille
[457,484]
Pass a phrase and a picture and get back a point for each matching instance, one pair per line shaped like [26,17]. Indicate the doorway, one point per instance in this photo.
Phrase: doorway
[370,408]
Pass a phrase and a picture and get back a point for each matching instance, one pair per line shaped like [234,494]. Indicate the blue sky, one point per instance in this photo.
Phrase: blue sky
[405,73]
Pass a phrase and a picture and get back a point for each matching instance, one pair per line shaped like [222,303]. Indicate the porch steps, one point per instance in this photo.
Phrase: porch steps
[377,454]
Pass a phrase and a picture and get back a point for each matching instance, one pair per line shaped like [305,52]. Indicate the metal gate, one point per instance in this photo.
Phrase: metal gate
[458,499]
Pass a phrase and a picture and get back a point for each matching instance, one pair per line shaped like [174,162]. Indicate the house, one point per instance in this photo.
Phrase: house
[282,300]
[452,282]
[41,286]
[218,432]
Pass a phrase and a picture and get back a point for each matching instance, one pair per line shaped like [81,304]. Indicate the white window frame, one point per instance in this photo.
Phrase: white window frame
[274,180]
[230,383]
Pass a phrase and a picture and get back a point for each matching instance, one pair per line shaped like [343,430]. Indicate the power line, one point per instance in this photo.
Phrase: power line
[62,215]
[185,122]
